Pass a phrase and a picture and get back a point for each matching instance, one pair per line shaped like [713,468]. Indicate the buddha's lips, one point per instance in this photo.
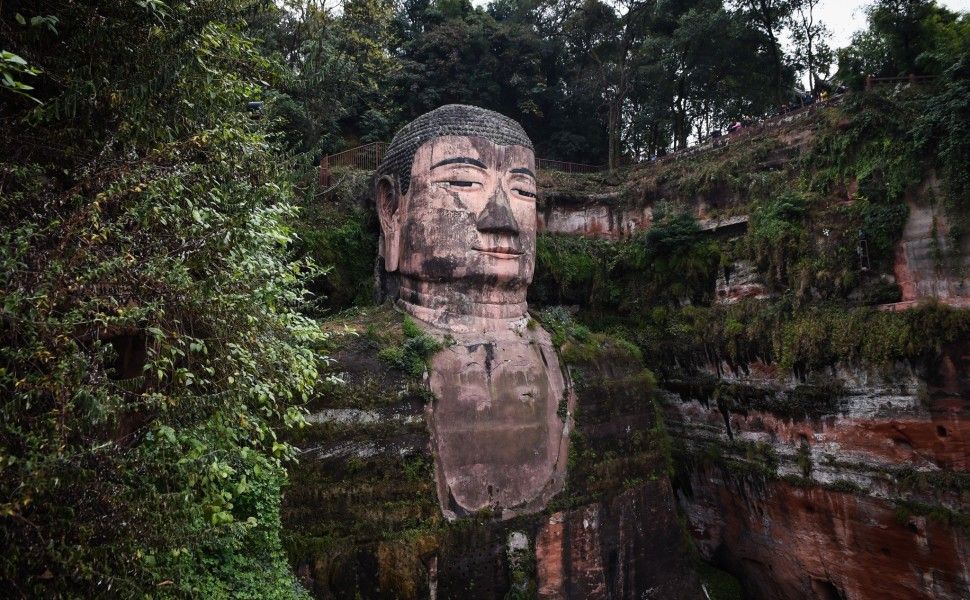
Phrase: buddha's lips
[500,251]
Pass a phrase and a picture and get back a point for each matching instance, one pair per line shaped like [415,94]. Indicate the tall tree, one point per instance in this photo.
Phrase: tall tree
[149,342]
[903,37]
[810,37]
[901,24]
[770,17]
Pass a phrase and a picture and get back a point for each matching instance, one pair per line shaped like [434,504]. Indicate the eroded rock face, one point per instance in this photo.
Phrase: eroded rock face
[792,543]
[595,215]
[861,501]
[737,282]
[926,265]
[457,204]
[611,549]
[361,513]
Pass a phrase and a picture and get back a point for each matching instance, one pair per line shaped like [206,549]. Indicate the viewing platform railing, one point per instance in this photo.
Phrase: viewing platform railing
[568,167]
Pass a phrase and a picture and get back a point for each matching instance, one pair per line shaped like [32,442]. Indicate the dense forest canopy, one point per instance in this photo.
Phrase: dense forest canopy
[154,321]
[591,81]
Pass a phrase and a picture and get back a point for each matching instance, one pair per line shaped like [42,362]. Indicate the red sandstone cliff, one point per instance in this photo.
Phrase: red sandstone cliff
[868,502]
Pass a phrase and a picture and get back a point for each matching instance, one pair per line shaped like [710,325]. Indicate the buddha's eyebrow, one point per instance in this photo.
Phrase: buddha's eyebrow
[524,171]
[460,160]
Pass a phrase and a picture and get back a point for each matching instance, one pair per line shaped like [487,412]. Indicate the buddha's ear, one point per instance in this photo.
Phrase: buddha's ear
[387,197]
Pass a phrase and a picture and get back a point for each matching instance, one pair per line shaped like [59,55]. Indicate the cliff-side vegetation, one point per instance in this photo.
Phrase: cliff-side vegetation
[820,257]
[151,343]
[338,229]
[665,265]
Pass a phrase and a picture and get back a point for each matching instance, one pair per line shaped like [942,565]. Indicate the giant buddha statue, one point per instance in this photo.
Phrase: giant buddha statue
[456,198]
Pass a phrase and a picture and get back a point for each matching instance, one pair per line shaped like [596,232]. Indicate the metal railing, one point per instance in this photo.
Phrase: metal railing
[871,81]
[726,139]
[367,157]
[568,167]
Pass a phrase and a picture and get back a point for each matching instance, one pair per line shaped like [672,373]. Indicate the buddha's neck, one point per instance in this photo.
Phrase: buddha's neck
[458,307]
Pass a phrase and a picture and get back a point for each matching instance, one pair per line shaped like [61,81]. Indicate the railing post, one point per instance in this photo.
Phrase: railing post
[325,171]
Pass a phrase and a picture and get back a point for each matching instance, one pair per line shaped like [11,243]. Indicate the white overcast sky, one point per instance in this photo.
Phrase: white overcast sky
[845,17]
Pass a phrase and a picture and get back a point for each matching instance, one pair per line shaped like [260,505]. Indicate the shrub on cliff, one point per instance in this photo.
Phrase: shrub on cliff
[671,263]
[149,339]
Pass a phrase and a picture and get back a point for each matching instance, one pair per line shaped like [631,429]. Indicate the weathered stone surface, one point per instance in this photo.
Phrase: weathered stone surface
[739,281]
[601,216]
[500,442]
[861,503]
[614,549]
[926,266]
[457,204]
[792,543]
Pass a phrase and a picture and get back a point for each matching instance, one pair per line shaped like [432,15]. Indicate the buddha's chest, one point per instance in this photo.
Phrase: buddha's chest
[498,423]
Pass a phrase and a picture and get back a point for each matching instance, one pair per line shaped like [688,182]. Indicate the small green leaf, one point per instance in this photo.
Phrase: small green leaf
[167,432]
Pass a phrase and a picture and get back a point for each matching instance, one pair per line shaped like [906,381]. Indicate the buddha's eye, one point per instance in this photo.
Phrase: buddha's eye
[460,184]
[525,193]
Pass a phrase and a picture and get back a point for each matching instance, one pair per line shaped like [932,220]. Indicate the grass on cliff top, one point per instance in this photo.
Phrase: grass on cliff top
[735,166]
[395,337]
[591,183]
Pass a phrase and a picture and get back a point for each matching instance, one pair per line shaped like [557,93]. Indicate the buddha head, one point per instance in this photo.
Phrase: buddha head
[456,198]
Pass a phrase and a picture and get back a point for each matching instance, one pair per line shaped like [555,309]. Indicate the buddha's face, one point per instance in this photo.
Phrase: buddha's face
[469,215]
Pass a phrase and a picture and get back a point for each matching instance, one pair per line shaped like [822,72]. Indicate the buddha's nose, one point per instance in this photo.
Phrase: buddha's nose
[497,217]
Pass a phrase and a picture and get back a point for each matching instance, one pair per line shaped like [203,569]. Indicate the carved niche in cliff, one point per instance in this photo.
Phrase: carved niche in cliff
[456,198]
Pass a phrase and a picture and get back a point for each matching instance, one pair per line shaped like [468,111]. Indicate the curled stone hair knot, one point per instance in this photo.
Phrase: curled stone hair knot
[451,119]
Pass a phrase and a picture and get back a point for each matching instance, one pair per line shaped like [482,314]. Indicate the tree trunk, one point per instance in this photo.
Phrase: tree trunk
[765,14]
[613,133]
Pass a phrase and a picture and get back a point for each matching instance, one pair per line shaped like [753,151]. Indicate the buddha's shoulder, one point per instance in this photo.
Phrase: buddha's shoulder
[371,356]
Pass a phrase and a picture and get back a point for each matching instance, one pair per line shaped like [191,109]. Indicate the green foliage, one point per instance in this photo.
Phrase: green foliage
[12,66]
[571,270]
[943,130]
[335,92]
[522,574]
[359,72]
[882,224]
[335,230]
[777,234]
[347,243]
[903,37]
[672,232]
[674,264]
[413,354]
[720,585]
[671,263]
[578,345]
[151,344]
[805,340]
[876,147]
